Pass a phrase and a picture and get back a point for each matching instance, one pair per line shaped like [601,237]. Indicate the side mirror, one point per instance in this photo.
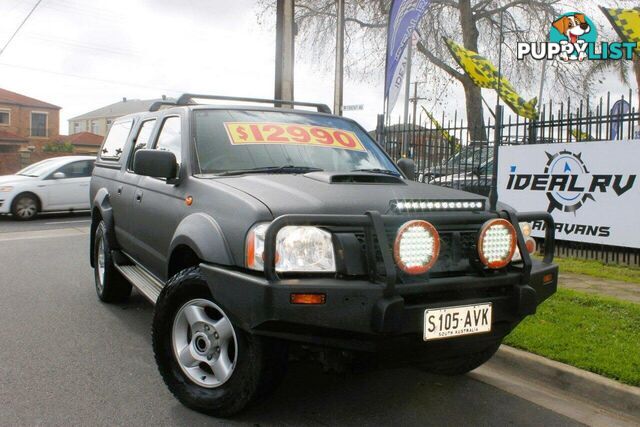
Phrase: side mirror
[408,167]
[155,163]
[59,175]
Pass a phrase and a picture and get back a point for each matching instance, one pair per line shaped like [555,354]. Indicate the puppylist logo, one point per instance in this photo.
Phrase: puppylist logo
[573,36]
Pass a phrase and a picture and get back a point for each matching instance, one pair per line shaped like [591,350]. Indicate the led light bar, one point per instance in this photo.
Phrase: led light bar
[418,205]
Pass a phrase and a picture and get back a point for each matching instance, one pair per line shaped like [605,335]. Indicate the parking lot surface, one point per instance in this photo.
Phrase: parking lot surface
[67,359]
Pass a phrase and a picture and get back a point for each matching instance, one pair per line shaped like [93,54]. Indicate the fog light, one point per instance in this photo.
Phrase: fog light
[416,247]
[496,243]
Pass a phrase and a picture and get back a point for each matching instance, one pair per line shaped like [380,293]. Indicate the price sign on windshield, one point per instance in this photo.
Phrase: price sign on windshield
[244,133]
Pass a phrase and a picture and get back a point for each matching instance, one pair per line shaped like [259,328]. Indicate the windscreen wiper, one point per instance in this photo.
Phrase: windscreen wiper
[272,169]
[377,170]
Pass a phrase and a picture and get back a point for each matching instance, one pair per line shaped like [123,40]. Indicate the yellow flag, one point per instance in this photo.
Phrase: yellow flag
[626,22]
[439,128]
[484,74]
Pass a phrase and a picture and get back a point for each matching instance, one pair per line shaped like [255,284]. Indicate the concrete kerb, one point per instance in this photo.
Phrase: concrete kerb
[586,385]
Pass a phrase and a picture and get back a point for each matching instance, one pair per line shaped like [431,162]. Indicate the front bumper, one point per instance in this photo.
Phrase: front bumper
[357,315]
[378,314]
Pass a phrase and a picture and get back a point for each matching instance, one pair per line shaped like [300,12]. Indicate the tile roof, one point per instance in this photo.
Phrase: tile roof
[119,109]
[8,97]
[10,136]
[83,138]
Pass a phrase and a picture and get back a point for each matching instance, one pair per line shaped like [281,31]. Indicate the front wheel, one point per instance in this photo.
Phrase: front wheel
[208,364]
[25,207]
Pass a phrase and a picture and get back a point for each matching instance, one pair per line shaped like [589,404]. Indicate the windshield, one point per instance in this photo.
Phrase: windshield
[230,141]
[469,157]
[38,169]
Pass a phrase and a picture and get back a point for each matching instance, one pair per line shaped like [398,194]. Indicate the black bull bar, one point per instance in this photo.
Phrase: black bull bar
[373,224]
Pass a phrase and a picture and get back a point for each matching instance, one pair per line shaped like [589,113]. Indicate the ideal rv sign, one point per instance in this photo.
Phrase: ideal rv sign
[590,188]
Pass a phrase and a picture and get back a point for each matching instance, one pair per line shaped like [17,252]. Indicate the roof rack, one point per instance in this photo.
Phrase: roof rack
[187,99]
[156,105]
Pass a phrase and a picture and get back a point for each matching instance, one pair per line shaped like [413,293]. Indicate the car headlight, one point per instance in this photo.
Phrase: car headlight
[6,189]
[496,243]
[298,249]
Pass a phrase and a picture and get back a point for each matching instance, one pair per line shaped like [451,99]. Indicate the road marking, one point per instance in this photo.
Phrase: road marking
[67,222]
[44,234]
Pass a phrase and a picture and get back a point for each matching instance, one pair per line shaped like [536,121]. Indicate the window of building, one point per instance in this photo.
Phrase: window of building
[5,117]
[170,137]
[115,141]
[39,124]
[109,123]
[95,126]
[76,127]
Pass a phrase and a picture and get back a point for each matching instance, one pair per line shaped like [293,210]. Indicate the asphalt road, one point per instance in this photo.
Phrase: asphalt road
[67,359]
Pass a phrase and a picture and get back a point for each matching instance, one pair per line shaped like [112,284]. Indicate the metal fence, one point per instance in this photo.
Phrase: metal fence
[447,152]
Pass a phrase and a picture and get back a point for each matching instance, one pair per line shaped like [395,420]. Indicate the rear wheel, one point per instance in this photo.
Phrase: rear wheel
[111,286]
[460,365]
[208,363]
[25,207]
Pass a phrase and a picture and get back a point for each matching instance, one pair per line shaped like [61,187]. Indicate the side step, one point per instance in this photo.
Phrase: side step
[144,282]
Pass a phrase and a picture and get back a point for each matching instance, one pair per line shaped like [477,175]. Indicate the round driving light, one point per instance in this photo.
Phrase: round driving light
[496,243]
[416,247]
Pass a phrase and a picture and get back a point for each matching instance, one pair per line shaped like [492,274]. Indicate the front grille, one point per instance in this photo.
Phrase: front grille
[457,247]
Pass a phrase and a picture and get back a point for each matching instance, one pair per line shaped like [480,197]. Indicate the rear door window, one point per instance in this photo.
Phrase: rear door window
[170,137]
[113,145]
[143,140]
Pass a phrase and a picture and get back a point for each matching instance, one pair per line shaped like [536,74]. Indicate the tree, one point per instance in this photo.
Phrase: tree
[474,23]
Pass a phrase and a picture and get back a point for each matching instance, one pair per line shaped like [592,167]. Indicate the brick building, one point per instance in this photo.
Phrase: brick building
[26,122]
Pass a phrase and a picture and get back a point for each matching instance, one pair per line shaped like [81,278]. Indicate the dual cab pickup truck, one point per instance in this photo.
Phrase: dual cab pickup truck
[260,230]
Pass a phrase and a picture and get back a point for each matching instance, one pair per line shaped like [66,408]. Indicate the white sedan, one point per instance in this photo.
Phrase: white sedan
[58,184]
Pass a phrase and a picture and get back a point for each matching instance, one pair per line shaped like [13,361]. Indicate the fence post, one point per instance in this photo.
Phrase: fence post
[493,194]
[380,130]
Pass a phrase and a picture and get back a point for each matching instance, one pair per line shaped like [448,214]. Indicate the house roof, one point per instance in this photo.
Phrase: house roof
[10,136]
[84,138]
[8,97]
[119,109]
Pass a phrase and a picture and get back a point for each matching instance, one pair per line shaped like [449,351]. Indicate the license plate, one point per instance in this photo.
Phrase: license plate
[451,322]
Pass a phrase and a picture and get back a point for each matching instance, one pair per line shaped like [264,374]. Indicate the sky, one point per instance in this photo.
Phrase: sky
[82,55]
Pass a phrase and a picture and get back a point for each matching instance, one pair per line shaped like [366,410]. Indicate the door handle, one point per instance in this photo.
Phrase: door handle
[119,190]
[139,197]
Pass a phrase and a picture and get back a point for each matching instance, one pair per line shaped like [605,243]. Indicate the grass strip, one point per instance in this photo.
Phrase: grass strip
[598,334]
[598,269]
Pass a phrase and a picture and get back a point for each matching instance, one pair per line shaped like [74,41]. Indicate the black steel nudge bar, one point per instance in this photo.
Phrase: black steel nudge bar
[374,224]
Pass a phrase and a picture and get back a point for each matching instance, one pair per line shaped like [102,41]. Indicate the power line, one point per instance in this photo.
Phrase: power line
[77,76]
[20,26]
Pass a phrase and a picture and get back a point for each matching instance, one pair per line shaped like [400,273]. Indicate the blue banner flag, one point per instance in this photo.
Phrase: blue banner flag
[617,113]
[404,16]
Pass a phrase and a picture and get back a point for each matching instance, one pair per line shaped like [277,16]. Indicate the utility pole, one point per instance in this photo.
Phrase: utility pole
[415,100]
[339,71]
[285,50]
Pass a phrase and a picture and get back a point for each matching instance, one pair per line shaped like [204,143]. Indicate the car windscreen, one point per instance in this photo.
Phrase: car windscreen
[469,157]
[40,168]
[234,140]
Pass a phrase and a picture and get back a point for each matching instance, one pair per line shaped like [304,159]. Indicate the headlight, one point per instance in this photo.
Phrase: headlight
[496,243]
[416,247]
[6,189]
[298,249]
